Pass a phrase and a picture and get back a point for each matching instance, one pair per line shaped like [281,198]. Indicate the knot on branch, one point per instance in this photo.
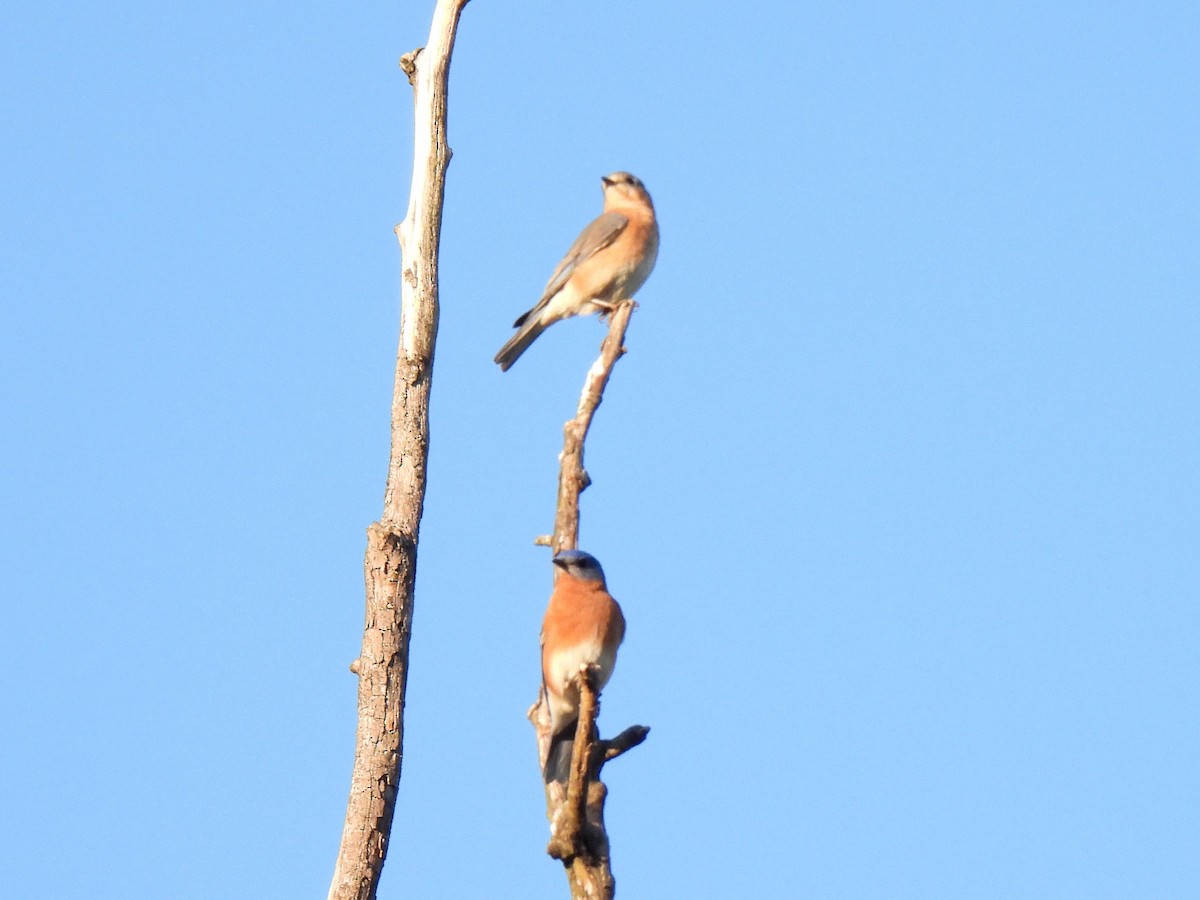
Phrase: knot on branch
[408,65]
[412,370]
[390,539]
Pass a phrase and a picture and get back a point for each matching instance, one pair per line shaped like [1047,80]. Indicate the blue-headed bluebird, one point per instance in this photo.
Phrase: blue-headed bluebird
[608,262]
[583,627]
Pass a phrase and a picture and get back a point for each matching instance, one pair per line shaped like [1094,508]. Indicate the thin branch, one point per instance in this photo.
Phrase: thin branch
[625,741]
[576,811]
[572,477]
[391,557]
[567,837]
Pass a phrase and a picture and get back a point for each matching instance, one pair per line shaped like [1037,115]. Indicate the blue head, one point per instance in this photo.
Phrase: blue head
[579,565]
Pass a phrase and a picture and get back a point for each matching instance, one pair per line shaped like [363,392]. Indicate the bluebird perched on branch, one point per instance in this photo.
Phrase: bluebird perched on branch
[608,262]
[583,628]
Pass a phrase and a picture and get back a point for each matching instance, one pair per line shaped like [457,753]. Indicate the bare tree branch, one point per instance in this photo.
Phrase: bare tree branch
[576,811]
[568,834]
[391,557]
[626,740]
[572,477]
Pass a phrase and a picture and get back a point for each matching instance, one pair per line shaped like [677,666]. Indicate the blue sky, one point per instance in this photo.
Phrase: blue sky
[897,485]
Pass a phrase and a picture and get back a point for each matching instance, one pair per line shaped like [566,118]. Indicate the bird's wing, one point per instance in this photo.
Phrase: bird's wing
[598,235]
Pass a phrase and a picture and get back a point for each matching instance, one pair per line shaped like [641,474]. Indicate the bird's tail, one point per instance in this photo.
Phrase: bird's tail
[519,342]
[558,760]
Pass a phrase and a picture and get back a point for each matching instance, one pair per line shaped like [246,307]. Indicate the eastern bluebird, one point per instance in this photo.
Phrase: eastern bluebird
[583,627]
[608,262]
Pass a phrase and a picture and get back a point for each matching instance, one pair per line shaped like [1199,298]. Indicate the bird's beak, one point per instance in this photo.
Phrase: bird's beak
[561,563]
[607,182]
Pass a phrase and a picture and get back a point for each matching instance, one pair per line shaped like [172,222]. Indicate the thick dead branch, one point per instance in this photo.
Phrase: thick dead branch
[576,810]
[391,558]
